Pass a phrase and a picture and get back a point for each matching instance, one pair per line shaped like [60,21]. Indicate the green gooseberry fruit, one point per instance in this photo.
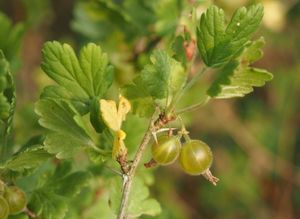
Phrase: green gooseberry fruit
[195,157]
[15,198]
[4,208]
[166,150]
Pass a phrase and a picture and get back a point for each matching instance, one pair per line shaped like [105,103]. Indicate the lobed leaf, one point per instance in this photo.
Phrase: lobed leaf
[219,44]
[49,201]
[85,77]
[63,146]
[165,76]
[58,116]
[237,78]
[28,159]
[48,205]
[63,120]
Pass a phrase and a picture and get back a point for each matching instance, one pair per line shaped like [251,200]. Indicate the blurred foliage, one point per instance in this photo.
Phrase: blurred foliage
[256,140]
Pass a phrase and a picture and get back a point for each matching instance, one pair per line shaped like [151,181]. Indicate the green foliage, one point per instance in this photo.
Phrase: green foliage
[50,199]
[82,82]
[237,78]
[7,104]
[7,91]
[80,114]
[139,201]
[5,83]
[218,43]
[56,116]
[163,78]
[88,76]
[10,38]
[28,159]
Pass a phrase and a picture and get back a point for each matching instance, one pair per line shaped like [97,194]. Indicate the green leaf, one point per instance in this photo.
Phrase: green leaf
[7,104]
[165,76]
[63,146]
[60,93]
[67,136]
[237,79]
[28,159]
[85,77]
[95,116]
[219,44]
[47,204]
[139,201]
[66,183]
[58,116]
[4,107]
[7,92]
[50,199]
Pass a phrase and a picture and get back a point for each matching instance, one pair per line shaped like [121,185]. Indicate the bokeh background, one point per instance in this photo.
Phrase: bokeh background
[255,140]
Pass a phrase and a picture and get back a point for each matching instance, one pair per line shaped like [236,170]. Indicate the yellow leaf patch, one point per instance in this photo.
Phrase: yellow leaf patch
[113,116]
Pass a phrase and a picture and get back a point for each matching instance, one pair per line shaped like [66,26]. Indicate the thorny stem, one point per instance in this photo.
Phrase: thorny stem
[155,124]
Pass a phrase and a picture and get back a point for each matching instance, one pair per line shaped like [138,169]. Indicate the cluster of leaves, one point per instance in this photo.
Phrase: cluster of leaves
[230,48]
[79,119]
[93,124]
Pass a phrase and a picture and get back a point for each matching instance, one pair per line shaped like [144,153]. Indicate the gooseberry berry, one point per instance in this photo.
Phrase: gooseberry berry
[195,157]
[166,150]
[15,198]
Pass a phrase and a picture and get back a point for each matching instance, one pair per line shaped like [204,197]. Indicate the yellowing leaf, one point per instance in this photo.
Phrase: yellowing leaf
[119,147]
[109,113]
[113,116]
[123,109]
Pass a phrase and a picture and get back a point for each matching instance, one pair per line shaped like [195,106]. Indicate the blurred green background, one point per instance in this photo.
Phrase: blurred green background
[255,140]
